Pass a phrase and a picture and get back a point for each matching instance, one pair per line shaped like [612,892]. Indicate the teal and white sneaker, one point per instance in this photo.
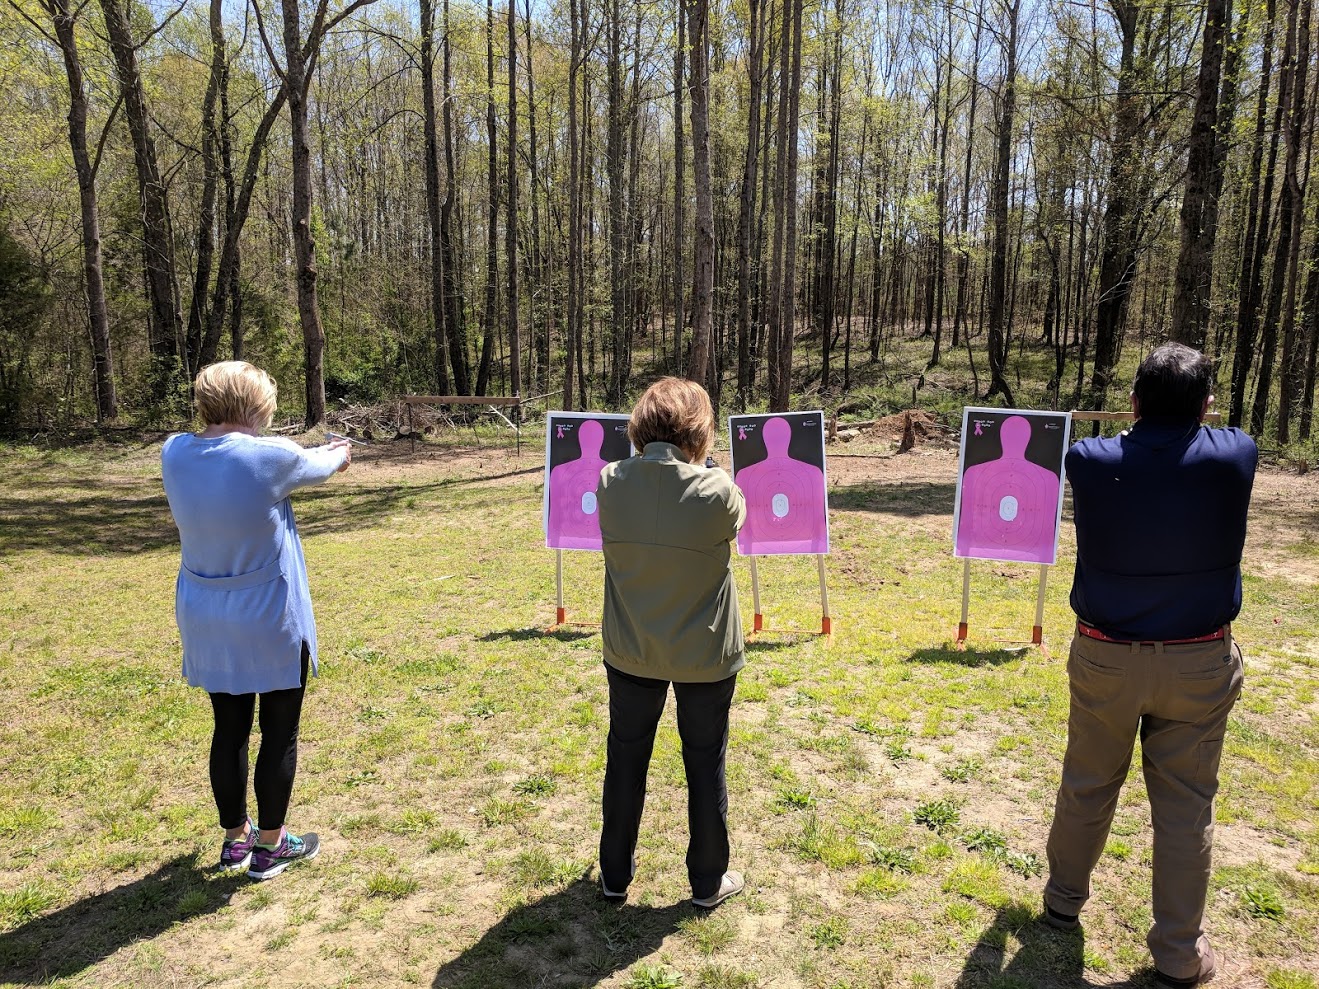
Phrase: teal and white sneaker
[267,863]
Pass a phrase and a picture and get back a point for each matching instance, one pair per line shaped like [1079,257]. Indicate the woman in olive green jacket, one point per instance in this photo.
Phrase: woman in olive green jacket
[670,616]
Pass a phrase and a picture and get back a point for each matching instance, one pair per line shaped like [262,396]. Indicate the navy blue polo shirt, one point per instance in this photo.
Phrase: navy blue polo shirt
[1160,523]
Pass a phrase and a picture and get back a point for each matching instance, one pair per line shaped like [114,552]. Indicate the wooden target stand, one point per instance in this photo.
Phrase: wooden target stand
[758,619]
[1037,631]
[561,612]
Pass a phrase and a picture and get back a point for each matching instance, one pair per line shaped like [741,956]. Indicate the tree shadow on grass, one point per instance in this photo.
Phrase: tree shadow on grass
[530,634]
[64,943]
[968,657]
[908,498]
[1045,959]
[107,517]
[569,938]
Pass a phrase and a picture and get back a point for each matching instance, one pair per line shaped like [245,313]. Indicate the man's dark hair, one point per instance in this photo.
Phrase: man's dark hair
[1174,381]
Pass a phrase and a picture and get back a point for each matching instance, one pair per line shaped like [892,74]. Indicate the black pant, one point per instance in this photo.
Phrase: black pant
[276,761]
[635,706]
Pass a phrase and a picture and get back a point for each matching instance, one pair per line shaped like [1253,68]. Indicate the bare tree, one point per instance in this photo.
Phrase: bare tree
[64,21]
[698,87]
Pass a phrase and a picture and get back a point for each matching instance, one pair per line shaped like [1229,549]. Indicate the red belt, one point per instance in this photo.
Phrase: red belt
[1090,632]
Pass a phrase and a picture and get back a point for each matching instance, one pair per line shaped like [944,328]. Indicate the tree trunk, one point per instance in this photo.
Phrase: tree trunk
[781,396]
[166,326]
[64,22]
[437,256]
[1193,279]
[511,228]
[296,79]
[1291,101]
[212,127]
[1292,367]
[1117,265]
[490,314]
[679,182]
[1250,287]
[698,34]
[747,205]
[615,169]
[998,278]
[455,318]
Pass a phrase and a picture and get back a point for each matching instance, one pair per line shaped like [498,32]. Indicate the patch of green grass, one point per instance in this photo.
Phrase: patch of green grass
[412,822]
[1262,901]
[708,933]
[536,785]
[24,903]
[1117,849]
[831,933]
[826,844]
[978,880]
[724,977]
[23,822]
[937,815]
[985,840]
[497,811]
[789,799]
[446,840]
[646,976]
[1282,978]
[962,771]
[880,882]
[893,859]
[392,886]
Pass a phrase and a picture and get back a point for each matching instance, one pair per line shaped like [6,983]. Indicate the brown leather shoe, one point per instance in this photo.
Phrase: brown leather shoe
[1208,969]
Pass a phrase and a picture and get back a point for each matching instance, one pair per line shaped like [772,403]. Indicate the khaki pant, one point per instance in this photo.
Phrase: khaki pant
[1177,697]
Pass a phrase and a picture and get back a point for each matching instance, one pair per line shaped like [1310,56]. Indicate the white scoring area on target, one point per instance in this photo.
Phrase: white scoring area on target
[1007,508]
[588,503]
[779,505]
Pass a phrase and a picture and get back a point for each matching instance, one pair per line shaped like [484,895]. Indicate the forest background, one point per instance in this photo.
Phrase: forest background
[378,198]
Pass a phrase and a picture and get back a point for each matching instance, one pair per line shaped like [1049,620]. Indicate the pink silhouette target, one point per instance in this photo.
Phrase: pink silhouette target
[787,510]
[577,448]
[1008,508]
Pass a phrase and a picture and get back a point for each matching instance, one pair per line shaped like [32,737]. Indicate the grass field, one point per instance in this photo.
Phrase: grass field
[889,796]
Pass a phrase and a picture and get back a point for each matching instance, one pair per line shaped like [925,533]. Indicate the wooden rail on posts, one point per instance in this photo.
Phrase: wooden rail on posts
[514,402]
[1213,417]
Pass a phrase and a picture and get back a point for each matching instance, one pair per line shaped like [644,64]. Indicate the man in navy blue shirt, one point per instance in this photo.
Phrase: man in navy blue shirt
[1160,524]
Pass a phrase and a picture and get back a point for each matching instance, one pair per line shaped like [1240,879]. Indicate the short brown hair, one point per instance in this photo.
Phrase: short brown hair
[235,392]
[677,411]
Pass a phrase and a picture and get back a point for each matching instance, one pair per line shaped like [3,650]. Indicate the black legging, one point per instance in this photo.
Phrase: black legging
[276,761]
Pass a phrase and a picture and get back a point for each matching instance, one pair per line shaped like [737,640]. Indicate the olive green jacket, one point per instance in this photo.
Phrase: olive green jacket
[670,602]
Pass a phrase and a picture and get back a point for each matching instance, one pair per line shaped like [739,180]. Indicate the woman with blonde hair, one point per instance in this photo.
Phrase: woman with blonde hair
[242,602]
[670,616]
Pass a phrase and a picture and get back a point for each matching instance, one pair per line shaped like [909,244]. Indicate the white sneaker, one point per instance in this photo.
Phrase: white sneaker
[730,885]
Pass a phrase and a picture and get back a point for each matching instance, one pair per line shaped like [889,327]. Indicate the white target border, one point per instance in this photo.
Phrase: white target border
[824,468]
[967,413]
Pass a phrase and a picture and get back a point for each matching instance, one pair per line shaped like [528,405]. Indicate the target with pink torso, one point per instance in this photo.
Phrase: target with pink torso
[1010,485]
[778,462]
[578,445]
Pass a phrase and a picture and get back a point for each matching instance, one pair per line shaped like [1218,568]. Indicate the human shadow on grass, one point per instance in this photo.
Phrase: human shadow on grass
[1045,959]
[61,944]
[571,634]
[573,937]
[909,498]
[966,657]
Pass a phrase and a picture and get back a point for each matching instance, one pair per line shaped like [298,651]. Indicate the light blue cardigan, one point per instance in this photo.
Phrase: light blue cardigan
[241,600]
